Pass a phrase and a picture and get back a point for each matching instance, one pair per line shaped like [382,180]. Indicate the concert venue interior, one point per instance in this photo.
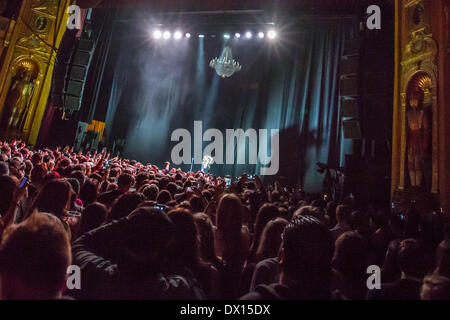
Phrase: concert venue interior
[209,150]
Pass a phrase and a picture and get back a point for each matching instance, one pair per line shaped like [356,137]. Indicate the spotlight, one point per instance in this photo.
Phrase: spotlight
[248,34]
[226,36]
[177,35]
[237,35]
[188,35]
[261,35]
[201,35]
[157,34]
[271,34]
[167,35]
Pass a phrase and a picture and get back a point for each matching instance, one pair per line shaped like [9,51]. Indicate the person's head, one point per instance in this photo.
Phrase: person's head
[79,175]
[183,249]
[7,185]
[34,257]
[151,192]
[265,213]
[229,213]
[112,187]
[305,258]
[89,192]
[229,223]
[164,197]
[172,187]
[54,197]
[411,259]
[37,174]
[125,182]
[435,287]
[196,204]
[124,205]
[4,168]
[205,231]
[350,259]
[94,215]
[343,214]
[147,235]
[75,185]
[270,242]
[36,159]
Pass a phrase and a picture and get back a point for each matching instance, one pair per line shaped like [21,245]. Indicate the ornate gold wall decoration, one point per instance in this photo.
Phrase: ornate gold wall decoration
[31,49]
[415,168]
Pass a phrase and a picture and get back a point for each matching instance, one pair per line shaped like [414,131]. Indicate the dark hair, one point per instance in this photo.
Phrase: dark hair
[151,192]
[266,213]
[7,186]
[229,222]
[88,192]
[94,215]
[350,259]
[308,249]
[206,236]
[125,180]
[38,252]
[4,168]
[343,213]
[196,204]
[148,233]
[53,197]
[164,197]
[183,249]
[124,205]
[411,258]
[270,242]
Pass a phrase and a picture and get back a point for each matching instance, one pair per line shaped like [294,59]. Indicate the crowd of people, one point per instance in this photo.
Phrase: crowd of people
[136,231]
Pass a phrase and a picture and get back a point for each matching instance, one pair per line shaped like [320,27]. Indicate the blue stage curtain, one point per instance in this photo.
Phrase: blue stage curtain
[291,85]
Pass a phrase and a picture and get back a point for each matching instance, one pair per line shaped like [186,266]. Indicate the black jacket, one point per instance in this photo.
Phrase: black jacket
[96,253]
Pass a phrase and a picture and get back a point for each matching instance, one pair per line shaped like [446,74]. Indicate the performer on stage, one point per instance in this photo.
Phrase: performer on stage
[207,162]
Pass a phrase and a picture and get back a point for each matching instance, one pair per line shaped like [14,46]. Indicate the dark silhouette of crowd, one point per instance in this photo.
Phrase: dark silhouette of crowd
[137,231]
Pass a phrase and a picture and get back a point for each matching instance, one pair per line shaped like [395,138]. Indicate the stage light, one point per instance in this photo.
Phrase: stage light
[271,34]
[248,34]
[188,35]
[167,35]
[237,35]
[261,35]
[157,34]
[177,35]
[226,36]
[201,35]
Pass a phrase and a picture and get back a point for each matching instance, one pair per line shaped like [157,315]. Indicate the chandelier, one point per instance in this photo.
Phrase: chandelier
[225,66]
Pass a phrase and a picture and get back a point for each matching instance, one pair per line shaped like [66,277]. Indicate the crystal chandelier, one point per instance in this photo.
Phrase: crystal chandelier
[225,66]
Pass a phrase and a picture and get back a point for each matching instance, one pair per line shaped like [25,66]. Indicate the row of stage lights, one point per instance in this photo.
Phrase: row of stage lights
[177,35]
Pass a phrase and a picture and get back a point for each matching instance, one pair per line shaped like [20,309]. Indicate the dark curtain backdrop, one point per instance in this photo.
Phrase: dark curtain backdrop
[155,87]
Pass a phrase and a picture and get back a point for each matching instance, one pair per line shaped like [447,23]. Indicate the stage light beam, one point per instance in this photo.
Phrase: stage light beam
[226,36]
[201,35]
